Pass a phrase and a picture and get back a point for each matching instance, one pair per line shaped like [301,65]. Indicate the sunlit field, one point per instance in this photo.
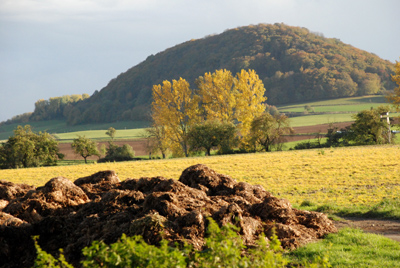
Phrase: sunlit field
[352,176]
[101,134]
[353,104]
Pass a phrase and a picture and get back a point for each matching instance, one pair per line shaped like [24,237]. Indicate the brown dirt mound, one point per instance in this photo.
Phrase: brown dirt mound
[100,207]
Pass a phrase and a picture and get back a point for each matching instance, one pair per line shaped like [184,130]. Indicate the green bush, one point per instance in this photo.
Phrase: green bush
[44,259]
[116,153]
[224,248]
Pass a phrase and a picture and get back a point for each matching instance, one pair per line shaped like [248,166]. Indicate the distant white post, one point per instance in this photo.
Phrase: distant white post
[388,122]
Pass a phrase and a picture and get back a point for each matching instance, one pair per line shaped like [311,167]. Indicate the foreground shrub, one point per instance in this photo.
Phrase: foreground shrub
[224,248]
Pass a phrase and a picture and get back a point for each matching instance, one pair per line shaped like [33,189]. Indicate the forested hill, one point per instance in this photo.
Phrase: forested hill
[294,64]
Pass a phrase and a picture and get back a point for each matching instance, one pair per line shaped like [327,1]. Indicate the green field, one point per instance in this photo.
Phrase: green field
[101,134]
[311,120]
[60,127]
[353,104]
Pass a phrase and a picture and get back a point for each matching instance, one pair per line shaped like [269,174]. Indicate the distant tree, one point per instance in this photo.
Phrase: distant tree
[157,140]
[85,147]
[336,137]
[111,132]
[118,153]
[29,149]
[271,109]
[369,127]
[267,131]
[175,108]
[211,134]
[394,98]
[308,108]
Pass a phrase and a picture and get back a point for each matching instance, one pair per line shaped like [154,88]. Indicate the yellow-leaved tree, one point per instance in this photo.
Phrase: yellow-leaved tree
[176,109]
[249,90]
[232,99]
[217,95]
[394,98]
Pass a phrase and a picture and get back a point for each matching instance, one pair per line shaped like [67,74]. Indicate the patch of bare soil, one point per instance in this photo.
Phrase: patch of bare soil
[70,215]
[388,228]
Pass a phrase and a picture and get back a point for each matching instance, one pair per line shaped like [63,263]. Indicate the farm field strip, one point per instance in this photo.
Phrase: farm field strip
[370,100]
[352,176]
[101,134]
[352,108]
[311,120]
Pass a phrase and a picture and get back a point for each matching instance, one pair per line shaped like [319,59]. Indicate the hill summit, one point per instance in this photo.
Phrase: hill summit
[294,64]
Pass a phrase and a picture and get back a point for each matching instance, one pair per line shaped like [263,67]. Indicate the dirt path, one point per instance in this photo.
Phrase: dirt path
[387,228]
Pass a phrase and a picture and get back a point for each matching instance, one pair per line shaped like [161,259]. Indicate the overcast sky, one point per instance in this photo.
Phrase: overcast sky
[50,48]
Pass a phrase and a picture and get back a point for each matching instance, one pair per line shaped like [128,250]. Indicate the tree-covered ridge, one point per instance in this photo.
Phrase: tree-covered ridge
[56,108]
[293,63]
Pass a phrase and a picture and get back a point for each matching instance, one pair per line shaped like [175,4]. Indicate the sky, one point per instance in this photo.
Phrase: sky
[51,48]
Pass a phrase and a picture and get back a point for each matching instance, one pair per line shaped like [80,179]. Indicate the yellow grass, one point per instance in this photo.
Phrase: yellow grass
[341,176]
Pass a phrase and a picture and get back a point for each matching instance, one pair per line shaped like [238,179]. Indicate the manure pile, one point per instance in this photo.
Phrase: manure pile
[70,215]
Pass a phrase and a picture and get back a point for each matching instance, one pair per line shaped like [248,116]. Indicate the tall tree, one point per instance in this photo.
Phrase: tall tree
[29,149]
[85,147]
[394,98]
[175,108]
[217,95]
[249,99]
[232,99]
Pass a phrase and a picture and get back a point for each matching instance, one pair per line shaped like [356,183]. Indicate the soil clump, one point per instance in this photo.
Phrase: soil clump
[71,215]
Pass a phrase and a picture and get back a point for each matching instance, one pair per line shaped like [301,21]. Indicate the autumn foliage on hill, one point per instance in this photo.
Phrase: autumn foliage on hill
[294,64]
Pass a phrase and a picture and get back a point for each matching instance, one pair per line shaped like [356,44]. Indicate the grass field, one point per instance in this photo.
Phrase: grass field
[311,120]
[353,104]
[353,248]
[60,127]
[101,134]
[347,178]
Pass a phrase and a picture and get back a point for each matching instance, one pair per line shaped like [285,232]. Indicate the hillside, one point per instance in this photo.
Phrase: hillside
[295,65]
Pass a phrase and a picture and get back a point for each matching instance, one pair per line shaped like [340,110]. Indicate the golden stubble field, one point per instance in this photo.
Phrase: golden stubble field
[340,176]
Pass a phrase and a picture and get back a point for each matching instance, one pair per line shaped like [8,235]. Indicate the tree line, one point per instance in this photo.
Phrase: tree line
[223,112]
[56,108]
